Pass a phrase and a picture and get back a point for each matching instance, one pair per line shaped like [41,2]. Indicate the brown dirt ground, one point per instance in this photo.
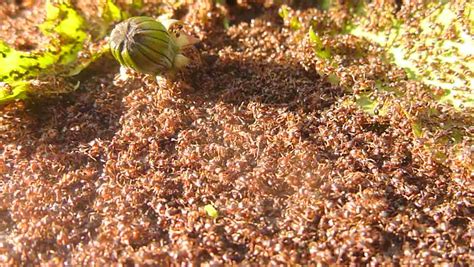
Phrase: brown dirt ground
[120,172]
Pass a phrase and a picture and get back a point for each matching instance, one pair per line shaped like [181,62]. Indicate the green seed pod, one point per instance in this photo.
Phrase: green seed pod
[146,45]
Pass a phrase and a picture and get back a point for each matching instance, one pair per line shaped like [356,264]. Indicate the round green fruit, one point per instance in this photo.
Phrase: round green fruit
[145,45]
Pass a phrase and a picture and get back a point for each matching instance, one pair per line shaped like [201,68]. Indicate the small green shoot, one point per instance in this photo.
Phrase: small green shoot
[367,104]
[211,211]
[319,49]
[324,4]
[292,21]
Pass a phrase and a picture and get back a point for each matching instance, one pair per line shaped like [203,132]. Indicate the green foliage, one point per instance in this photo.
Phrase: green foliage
[18,64]
[435,47]
[292,21]
[66,29]
[319,49]
[324,4]
[433,44]
[13,90]
[113,12]
[426,54]
[68,33]
[211,211]
[370,105]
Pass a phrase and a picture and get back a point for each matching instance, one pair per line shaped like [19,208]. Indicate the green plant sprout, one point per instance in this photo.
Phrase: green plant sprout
[320,50]
[211,211]
[292,21]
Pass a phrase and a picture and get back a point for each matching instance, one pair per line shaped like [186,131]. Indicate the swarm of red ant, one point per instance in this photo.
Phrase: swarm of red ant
[264,131]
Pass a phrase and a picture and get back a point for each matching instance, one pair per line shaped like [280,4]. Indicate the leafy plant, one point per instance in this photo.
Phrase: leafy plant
[69,37]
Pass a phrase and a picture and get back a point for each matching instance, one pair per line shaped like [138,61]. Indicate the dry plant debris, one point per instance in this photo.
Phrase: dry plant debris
[121,172]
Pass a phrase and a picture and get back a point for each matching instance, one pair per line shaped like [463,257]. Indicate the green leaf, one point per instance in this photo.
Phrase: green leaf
[63,22]
[112,13]
[333,79]
[137,4]
[68,33]
[226,23]
[283,12]
[320,50]
[324,4]
[13,91]
[293,22]
[417,129]
[369,105]
[78,66]
[66,30]
[211,211]
[429,57]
